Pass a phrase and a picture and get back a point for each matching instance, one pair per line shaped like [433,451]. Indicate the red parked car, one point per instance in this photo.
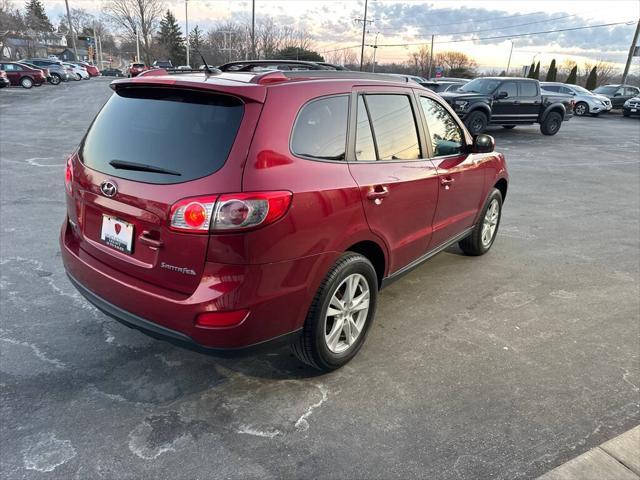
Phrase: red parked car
[22,75]
[92,70]
[134,69]
[256,207]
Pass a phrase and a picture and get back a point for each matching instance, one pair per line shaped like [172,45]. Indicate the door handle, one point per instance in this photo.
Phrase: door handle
[151,242]
[446,182]
[377,193]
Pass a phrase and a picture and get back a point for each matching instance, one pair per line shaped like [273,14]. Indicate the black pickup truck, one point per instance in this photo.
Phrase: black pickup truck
[509,101]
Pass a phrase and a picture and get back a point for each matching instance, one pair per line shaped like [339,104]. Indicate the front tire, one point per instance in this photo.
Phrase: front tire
[551,124]
[476,122]
[340,314]
[55,79]
[581,109]
[484,233]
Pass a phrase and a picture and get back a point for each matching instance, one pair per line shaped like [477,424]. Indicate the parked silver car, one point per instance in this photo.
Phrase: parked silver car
[586,102]
[56,69]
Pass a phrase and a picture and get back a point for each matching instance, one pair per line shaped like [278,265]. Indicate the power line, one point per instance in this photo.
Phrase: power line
[507,36]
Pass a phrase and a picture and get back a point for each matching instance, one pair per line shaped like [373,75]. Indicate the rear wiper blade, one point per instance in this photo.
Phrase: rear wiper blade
[141,167]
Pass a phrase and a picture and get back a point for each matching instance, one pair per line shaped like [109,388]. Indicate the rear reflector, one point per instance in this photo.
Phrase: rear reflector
[68,175]
[221,319]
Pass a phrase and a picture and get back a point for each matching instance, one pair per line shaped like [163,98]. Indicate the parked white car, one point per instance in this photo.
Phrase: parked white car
[78,71]
[586,102]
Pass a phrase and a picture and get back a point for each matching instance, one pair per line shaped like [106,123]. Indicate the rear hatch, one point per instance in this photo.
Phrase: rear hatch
[148,148]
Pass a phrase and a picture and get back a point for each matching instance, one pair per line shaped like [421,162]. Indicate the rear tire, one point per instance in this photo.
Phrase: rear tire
[581,109]
[484,233]
[551,124]
[26,82]
[348,327]
[476,122]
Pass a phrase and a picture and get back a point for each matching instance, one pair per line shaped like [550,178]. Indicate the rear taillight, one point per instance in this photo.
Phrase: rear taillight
[192,214]
[221,319]
[68,176]
[229,212]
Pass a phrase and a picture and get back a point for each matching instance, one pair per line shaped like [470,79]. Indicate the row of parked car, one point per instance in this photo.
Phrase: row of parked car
[31,72]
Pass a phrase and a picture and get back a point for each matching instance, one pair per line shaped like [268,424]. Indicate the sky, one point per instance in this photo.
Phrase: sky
[332,26]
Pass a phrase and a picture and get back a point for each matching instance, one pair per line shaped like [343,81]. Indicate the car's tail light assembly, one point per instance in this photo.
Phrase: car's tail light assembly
[229,212]
[68,176]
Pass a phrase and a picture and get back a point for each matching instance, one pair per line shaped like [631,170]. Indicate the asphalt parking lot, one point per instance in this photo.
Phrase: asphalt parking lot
[502,366]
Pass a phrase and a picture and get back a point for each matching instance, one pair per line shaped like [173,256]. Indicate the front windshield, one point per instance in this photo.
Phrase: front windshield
[480,85]
[606,90]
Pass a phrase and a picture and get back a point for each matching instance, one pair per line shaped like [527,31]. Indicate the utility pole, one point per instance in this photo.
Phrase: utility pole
[506,72]
[431,56]
[95,45]
[253,29]
[71,29]
[101,66]
[137,45]
[631,51]
[364,31]
[375,49]
[186,26]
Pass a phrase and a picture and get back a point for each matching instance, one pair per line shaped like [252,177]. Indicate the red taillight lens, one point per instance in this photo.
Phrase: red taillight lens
[221,319]
[228,212]
[192,214]
[68,175]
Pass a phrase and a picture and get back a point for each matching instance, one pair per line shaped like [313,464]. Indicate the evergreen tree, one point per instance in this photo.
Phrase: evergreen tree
[573,76]
[592,80]
[171,40]
[553,71]
[36,18]
[532,69]
[196,42]
[503,74]
[536,72]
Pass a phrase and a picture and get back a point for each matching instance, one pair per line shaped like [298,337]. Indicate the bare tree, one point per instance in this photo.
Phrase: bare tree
[136,15]
[456,63]
[420,61]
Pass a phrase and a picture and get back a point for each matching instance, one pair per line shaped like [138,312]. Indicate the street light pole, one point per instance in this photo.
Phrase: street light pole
[253,29]
[506,72]
[186,22]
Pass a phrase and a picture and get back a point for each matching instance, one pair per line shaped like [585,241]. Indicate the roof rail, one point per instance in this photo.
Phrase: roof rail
[345,74]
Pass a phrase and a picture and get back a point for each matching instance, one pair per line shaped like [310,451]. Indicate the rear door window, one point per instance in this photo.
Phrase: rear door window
[162,135]
[528,89]
[394,127]
[320,130]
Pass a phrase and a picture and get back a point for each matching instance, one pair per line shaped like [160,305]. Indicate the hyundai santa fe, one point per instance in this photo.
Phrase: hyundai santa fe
[224,211]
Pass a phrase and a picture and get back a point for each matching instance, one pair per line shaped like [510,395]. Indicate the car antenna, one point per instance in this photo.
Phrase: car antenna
[208,71]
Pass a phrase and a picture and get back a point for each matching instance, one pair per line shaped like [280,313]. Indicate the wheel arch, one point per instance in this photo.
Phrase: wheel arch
[502,185]
[375,254]
[555,107]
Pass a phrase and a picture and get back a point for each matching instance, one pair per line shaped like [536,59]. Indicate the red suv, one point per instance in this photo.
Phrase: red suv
[135,69]
[240,208]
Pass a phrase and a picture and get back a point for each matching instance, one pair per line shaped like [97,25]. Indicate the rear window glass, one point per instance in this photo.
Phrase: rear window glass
[157,135]
[528,89]
[321,129]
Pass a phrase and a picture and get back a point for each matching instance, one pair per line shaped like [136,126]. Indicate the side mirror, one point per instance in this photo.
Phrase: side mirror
[483,144]
[618,95]
[502,95]
[571,92]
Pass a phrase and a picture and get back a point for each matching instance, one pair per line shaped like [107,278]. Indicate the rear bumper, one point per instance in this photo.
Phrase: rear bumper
[277,296]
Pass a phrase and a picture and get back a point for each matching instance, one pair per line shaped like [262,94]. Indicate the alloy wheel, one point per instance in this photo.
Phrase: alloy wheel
[347,313]
[490,222]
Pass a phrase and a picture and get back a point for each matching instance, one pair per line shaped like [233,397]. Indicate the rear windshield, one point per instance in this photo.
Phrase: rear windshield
[158,135]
